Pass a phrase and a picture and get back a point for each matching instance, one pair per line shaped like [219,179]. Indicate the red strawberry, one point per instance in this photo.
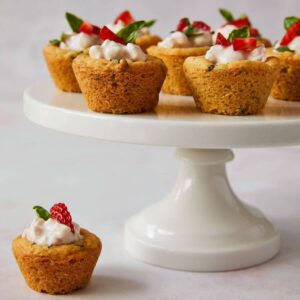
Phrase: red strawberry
[88,28]
[201,25]
[107,34]
[221,40]
[60,213]
[244,44]
[239,23]
[182,24]
[254,32]
[293,32]
[126,17]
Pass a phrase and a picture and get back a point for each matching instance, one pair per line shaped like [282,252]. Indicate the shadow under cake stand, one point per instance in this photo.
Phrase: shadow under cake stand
[201,225]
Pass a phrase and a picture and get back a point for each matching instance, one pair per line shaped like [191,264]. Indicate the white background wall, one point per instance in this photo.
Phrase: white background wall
[27,25]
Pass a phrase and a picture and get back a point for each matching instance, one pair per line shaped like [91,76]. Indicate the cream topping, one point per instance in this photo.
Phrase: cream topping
[222,55]
[51,232]
[111,50]
[293,45]
[79,41]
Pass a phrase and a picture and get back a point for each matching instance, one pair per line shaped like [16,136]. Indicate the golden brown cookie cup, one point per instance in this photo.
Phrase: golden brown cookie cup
[263,41]
[57,269]
[59,62]
[120,87]
[175,82]
[236,88]
[287,83]
[147,40]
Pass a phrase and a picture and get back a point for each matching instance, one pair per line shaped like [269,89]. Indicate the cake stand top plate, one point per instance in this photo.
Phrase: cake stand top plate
[175,122]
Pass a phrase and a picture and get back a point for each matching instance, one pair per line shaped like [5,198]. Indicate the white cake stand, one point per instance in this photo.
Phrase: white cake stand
[201,225]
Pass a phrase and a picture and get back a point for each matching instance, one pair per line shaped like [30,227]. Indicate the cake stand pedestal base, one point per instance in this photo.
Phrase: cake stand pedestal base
[201,225]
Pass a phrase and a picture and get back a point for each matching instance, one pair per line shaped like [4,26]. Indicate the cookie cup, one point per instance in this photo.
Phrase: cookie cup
[147,40]
[176,82]
[57,269]
[236,88]
[263,41]
[59,62]
[120,86]
[287,83]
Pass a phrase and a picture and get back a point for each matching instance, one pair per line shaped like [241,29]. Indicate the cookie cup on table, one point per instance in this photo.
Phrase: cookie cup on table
[57,269]
[287,83]
[174,58]
[147,40]
[264,41]
[59,63]
[120,86]
[236,88]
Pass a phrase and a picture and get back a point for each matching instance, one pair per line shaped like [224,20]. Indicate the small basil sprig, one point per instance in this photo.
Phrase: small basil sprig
[239,33]
[74,22]
[56,42]
[289,21]
[227,15]
[284,49]
[129,33]
[189,31]
[41,212]
[150,23]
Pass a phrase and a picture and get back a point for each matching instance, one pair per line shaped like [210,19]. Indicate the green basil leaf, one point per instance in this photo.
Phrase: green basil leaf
[239,33]
[284,49]
[55,42]
[129,32]
[289,21]
[42,212]
[63,37]
[74,22]
[150,23]
[227,15]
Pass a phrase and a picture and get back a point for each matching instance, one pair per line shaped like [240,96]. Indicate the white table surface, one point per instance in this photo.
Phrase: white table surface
[105,183]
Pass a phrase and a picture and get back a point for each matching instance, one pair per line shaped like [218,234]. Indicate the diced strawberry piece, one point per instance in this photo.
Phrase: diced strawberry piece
[244,44]
[182,24]
[221,40]
[293,32]
[126,17]
[254,32]
[88,28]
[239,23]
[59,212]
[201,25]
[107,34]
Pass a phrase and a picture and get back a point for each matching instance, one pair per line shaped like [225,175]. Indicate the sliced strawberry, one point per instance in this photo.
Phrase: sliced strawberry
[183,23]
[201,25]
[254,32]
[221,40]
[88,28]
[244,44]
[293,32]
[126,17]
[239,23]
[107,34]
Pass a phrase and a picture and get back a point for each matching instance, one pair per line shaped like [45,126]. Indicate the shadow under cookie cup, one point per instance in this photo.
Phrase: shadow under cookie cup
[287,84]
[174,58]
[236,88]
[57,269]
[120,86]
[59,63]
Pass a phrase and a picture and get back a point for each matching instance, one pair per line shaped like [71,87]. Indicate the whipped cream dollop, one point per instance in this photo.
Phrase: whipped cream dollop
[225,31]
[120,25]
[112,50]
[293,45]
[79,41]
[179,39]
[222,55]
[51,232]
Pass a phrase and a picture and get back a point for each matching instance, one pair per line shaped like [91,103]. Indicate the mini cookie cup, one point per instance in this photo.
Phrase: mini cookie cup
[174,58]
[57,269]
[287,83]
[59,62]
[236,88]
[147,40]
[120,86]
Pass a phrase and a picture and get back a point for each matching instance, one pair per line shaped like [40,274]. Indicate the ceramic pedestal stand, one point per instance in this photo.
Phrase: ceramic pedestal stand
[201,225]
